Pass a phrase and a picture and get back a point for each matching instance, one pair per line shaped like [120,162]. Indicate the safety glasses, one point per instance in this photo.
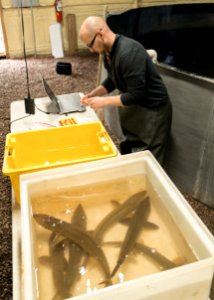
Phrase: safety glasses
[90,45]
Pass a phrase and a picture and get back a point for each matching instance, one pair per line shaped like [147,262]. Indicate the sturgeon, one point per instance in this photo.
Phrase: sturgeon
[76,253]
[58,268]
[117,215]
[136,224]
[155,255]
[126,220]
[78,236]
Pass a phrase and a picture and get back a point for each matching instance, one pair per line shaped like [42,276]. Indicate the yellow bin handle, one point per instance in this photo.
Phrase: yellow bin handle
[9,157]
[104,140]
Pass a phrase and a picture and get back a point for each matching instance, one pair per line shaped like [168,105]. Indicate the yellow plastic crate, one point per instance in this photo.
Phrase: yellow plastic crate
[36,150]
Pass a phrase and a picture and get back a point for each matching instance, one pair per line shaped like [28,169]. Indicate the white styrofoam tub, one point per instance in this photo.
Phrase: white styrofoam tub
[187,282]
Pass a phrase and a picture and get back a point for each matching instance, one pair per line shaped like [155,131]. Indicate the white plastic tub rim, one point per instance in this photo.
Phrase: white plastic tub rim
[191,281]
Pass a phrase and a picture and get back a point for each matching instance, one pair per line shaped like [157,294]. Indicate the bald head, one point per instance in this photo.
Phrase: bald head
[91,25]
[95,25]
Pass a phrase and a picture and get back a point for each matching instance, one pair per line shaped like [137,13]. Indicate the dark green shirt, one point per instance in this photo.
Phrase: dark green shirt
[133,73]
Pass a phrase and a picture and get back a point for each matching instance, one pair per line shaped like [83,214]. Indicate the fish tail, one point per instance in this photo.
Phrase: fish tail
[107,282]
[115,268]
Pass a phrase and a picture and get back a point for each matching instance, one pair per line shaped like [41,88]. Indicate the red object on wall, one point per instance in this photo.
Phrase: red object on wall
[58,9]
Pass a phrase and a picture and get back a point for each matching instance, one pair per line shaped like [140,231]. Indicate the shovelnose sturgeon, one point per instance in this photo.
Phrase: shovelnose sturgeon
[76,253]
[136,224]
[78,236]
[156,256]
[117,215]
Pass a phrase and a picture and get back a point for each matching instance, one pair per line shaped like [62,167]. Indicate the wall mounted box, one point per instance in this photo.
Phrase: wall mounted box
[191,281]
[35,150]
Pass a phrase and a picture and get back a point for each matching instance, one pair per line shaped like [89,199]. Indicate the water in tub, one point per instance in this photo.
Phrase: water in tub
[73,255]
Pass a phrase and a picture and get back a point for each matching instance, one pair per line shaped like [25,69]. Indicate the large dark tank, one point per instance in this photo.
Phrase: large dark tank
[181,34]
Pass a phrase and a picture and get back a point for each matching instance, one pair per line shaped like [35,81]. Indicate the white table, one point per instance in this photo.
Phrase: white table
[20,121]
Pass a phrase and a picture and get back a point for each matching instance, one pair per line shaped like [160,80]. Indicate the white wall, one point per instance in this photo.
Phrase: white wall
[44,15]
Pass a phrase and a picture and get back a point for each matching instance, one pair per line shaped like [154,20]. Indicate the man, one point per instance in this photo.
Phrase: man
[144,106]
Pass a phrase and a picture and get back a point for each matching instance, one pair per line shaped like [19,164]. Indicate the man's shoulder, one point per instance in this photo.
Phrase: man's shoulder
[128,40]
[128,46]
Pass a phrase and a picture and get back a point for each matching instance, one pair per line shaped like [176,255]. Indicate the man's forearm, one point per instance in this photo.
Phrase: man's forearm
[100,90]
[113,101]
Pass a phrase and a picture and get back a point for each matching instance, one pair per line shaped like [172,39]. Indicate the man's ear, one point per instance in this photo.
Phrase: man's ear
[100,31]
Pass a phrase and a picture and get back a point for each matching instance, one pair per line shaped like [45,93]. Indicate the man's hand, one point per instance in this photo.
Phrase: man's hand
[99,102]
[84,100]
[95,102]
[96,93]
